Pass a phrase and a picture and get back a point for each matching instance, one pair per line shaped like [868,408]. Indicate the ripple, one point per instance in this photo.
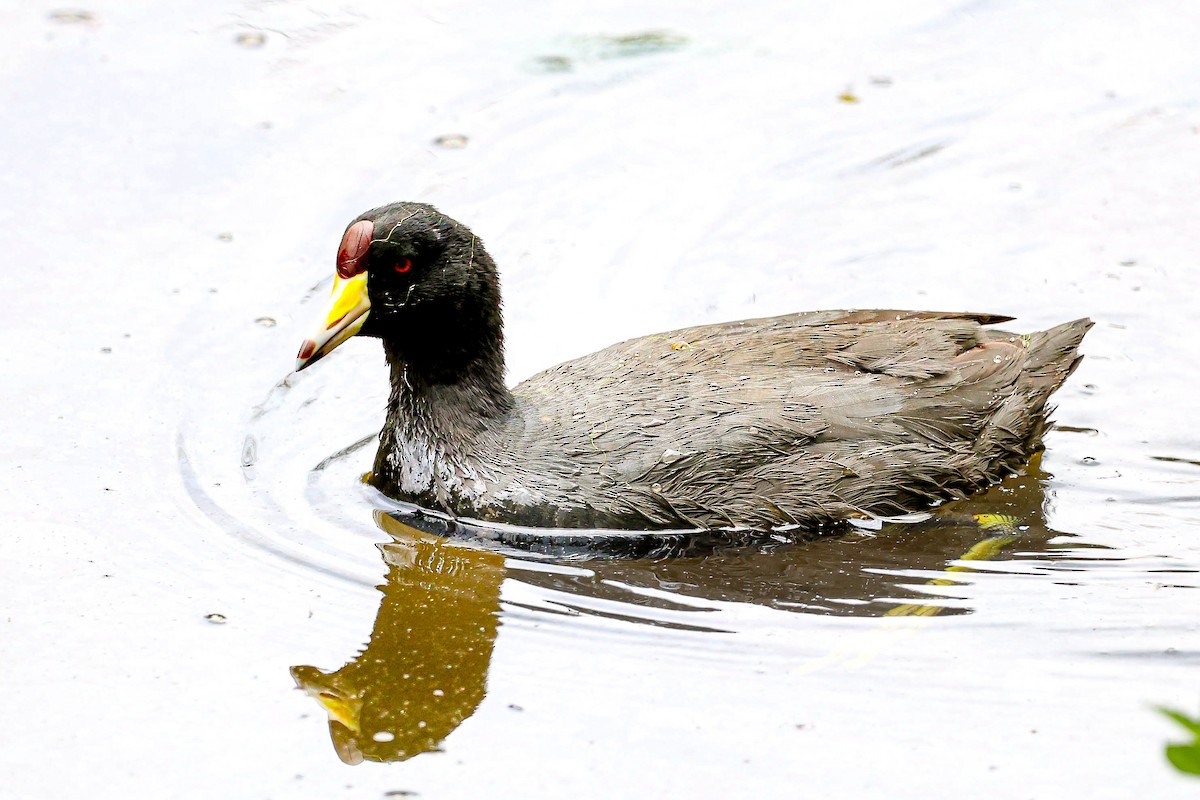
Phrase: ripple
[307,508]
[312,510]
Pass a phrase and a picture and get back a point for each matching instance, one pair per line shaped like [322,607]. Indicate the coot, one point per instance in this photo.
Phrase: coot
[802,419]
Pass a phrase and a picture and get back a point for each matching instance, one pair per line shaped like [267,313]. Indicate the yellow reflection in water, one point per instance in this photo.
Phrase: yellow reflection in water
[425,669]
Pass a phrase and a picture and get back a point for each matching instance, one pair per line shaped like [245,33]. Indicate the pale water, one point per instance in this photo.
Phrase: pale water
[185,529]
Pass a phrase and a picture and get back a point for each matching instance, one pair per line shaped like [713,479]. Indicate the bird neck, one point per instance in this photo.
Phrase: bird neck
[430,444]
[449,407]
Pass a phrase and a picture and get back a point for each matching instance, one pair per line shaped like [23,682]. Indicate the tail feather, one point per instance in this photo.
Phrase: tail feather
[1053,355]
[1014,431]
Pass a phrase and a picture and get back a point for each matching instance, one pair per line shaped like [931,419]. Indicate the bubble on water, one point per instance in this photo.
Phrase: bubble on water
[266,322]
[383,736]
[215,619]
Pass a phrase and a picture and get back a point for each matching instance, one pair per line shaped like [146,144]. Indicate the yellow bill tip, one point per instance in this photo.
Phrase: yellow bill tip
[348,308]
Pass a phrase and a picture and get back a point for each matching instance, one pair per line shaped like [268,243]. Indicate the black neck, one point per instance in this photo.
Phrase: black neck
[451,401]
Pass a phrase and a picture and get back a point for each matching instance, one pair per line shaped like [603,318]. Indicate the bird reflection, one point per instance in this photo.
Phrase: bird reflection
[861,573]
[424,670]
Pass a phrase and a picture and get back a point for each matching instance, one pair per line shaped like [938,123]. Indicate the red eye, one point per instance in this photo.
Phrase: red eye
[405,266]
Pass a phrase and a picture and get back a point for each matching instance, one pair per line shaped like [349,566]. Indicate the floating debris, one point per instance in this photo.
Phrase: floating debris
[250,39]
[451,141]
[907,155]
[849,96]
[553,63]
[70,16]
[602,47]
[638,44]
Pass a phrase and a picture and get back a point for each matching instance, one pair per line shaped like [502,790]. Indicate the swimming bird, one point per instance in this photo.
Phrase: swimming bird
[804,419]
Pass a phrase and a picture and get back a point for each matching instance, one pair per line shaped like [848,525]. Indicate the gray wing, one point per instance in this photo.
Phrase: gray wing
[801,418]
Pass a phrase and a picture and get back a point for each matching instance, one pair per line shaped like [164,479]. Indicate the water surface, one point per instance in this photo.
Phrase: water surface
[187,536]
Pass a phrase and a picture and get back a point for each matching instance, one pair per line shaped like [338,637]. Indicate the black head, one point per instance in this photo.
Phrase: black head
[431,293]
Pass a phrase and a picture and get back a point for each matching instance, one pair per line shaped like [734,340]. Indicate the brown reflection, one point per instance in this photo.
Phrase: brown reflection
[425,668]
[858,573]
